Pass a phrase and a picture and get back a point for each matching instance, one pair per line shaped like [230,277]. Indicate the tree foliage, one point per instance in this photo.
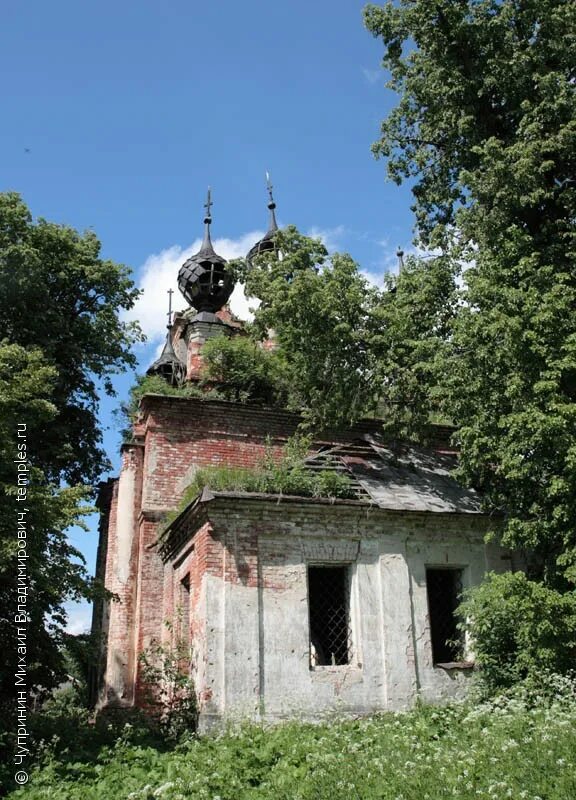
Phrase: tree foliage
[347,348]
[519,629]
[413,323]
[486,129]
[57,293]
[242,371]
[319,310]
[486,110]
[55,569]
[59,314]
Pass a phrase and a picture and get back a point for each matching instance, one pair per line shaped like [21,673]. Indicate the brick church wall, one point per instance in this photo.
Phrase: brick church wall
[175,436]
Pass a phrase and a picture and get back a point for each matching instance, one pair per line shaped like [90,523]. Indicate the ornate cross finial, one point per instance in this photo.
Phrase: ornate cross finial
[206,242]
[269,187]
[272,225]
[208,206]
[170,292]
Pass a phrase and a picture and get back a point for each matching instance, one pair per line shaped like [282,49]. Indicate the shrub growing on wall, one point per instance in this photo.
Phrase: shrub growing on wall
[245,372]
[169,689]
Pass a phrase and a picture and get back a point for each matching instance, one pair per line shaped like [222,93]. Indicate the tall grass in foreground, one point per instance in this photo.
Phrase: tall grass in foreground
[517,746]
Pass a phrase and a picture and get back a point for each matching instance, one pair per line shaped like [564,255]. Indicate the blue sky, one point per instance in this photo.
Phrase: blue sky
[117,116]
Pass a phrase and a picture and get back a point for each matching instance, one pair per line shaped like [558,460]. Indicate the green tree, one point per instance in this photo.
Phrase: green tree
[519,629]
[54,569]
[486,129]
[59,314]
[244,371]
[414,322]
[319,310]
[57,293]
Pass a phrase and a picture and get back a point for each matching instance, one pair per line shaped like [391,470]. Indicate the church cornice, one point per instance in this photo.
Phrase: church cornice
[207,507]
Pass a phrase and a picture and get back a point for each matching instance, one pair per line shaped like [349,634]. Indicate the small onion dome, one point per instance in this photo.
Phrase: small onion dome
[203,278]
[266,243]
[168,365]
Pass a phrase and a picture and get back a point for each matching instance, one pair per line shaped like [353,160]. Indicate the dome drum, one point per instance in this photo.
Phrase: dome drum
[265,245]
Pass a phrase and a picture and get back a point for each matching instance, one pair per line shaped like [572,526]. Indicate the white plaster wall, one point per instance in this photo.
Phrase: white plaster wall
[207,646]
[399,666]
[257,639]
[118,683]
[436,684]
[125,522]
[240,650]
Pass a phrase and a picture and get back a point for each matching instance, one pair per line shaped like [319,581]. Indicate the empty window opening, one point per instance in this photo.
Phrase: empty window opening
[184,609]
[329,609]
[444,587]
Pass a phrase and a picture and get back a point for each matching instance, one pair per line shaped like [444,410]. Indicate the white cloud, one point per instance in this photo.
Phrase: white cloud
[160,273]
[373,277]
[372,76]
[331,237]
[79,618]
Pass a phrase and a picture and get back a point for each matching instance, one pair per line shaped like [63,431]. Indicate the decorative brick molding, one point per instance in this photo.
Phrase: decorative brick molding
[323,551]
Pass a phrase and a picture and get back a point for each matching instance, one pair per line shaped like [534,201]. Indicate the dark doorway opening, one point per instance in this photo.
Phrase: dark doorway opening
[444,587]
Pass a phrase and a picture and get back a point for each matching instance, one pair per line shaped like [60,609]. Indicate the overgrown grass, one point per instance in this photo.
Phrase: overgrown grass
[63,733]
[511,747]
[286,474]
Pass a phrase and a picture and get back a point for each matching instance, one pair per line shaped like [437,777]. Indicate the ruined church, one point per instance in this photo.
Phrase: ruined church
[291,606]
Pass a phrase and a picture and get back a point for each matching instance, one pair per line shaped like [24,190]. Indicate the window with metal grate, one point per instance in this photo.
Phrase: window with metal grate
[329,614]
[444,587]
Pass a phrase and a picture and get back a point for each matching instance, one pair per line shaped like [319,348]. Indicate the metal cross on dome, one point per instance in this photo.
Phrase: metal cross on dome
[170,292]
[208,203]
[269,186]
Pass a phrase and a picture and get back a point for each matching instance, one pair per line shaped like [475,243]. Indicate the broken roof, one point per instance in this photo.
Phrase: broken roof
[400,477]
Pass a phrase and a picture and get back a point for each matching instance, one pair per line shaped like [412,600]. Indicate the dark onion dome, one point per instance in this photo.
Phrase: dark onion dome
[168,365]
[266,243]
[203,278]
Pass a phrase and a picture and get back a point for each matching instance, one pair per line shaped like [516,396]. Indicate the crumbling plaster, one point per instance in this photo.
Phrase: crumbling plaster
[255,647]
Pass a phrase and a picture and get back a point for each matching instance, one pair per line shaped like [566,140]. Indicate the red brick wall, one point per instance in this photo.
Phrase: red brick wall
[183,433]
[178,434]
[149,616]
[204,556]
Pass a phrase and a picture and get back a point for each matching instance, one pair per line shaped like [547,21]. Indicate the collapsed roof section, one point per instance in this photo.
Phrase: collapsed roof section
[399,478]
